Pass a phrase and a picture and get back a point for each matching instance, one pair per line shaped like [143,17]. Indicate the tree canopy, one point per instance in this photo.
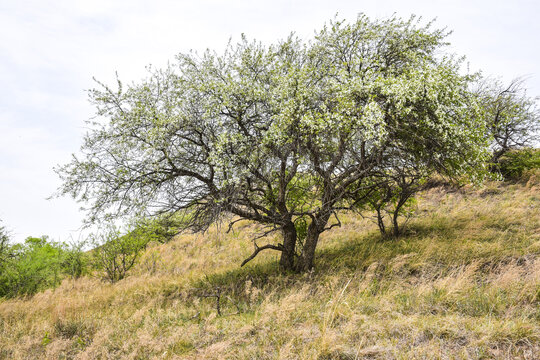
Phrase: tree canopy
[285,135]
[512,117]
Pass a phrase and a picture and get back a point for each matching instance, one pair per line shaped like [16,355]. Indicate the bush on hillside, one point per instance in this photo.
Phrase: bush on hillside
[4,245]
[515,163]
[74,260]
[115,254]
[37,264]
[160,229]
[30,267]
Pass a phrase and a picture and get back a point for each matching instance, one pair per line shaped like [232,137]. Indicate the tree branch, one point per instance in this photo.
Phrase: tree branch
[258,249]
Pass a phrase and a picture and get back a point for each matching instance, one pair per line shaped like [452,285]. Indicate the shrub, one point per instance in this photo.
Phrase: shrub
[159,229]
[116,254]
[74,260]
[4,247]
[37,264]
[31,266]
[514,163]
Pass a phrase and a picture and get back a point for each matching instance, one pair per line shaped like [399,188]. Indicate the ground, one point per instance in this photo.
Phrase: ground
[463,282]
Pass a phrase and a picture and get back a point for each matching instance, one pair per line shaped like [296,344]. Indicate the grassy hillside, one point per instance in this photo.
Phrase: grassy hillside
[464,282]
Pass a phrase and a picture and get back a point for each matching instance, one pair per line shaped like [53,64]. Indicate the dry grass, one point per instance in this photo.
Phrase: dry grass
[463,283]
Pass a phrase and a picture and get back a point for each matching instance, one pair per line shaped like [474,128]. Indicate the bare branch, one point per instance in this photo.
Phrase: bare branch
[259,249]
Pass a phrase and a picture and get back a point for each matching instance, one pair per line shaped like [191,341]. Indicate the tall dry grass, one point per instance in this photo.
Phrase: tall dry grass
[462,283]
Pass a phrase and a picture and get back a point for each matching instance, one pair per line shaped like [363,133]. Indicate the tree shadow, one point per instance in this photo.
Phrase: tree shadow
[347,255]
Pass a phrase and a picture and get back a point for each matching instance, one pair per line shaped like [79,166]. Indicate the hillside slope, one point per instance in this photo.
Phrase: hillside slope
[464,282]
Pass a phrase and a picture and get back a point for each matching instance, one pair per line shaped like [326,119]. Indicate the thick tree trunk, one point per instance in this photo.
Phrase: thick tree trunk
[286,262]
[305,263]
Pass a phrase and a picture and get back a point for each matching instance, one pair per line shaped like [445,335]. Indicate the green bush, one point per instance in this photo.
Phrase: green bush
[30,267]
[74,260]
[39,263]
[516,162]
[161,228]
[36,264]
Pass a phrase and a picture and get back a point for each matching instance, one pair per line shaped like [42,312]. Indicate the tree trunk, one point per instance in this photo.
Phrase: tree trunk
[305,263]
[396,223]
[380,222]
[498,154]
[402,200]
[286,262]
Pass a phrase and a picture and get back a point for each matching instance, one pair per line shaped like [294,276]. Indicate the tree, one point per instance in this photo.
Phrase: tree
[513,122]
[513,117]
[395,193]
[116,254]
[286,136]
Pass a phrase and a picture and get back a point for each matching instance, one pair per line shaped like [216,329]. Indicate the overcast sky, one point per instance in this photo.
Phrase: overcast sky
[50,50]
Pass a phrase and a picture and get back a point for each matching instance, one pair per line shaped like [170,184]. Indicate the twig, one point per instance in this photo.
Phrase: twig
[231,224]
[338,224]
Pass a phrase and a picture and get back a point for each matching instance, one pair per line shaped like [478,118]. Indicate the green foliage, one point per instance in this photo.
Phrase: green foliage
[33,266]
[40,263]
[75,261]
[4,247]
[514,163]
[37,264]
[46,340]
[116,254]
[5,259]
[160,229]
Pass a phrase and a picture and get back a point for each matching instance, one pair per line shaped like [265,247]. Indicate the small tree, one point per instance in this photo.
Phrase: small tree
[116,254]
[281,133]
[513,117]
[513,122]
[394,197]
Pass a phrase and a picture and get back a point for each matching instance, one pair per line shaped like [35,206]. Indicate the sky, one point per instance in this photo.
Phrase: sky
[50,51]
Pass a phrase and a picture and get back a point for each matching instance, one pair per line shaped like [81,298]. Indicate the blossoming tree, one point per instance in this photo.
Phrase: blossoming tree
[286,135]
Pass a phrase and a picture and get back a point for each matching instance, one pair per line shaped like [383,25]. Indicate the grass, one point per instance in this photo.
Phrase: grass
[462,283]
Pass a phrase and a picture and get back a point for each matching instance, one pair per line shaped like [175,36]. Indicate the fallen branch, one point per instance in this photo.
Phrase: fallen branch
[217,295]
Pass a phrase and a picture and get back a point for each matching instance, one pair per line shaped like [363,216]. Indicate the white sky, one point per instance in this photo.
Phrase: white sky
[50,50]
